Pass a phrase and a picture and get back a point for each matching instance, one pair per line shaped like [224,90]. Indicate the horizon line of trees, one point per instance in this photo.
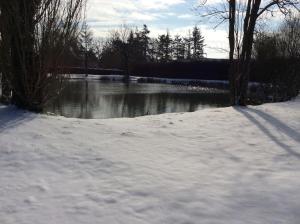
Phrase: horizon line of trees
[126,46]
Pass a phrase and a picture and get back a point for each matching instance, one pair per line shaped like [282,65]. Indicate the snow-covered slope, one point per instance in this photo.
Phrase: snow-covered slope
[216,166]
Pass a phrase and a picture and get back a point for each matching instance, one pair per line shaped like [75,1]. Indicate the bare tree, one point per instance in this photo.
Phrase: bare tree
[277,60]
[97,46]
[242,16]
[37,33]
[86,39]
[289,38]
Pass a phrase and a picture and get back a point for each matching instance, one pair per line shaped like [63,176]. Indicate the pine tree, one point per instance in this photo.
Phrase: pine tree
[144,35]
[198,44]
[178,48]
[152,50]
[164,47]
[188,44]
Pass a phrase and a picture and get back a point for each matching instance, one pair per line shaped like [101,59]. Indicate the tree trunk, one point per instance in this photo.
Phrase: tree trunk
[240,69]
[6,91]
[232,68]
[27,92]
[245,60]
[4,55]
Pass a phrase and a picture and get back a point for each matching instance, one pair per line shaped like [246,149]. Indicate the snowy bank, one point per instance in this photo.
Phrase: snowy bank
[216,166]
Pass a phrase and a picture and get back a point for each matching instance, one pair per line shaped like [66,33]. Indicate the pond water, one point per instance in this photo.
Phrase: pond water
[96,99]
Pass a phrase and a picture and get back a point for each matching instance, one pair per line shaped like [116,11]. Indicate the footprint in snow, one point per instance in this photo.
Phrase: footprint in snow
[110,200]
[127,134]
[42,187]
[66,132]
[37,136]
[217,111]
[30,200]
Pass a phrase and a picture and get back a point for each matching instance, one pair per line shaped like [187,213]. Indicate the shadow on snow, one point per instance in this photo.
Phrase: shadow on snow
[11,117]
[281,127]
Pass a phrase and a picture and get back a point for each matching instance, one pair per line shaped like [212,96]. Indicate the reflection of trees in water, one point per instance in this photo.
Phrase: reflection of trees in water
[74,101]
[98,100]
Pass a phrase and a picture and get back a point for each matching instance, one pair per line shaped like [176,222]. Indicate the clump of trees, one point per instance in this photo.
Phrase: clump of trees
[127,47]
[34,37]
[277,60]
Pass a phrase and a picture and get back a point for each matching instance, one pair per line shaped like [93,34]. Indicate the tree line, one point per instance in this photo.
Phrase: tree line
[128,46]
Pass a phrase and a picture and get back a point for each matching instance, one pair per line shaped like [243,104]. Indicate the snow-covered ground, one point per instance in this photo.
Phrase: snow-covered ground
[215,166]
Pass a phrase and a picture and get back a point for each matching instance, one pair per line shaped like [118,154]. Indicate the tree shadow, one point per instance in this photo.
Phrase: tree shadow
[279,125]
[11,117]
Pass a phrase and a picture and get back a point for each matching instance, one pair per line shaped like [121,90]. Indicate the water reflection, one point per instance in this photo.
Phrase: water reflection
[95,99]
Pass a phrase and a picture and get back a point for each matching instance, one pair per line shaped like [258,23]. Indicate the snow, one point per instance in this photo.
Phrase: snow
[214,166]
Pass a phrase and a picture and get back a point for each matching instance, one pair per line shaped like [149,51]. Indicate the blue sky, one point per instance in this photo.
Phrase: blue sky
[177,16]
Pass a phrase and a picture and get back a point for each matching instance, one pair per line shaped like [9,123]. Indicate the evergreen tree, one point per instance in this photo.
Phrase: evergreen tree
[132,45]
[144,35]
[188,44]
[164,47]
[198,44]
[152,50]
[178,48]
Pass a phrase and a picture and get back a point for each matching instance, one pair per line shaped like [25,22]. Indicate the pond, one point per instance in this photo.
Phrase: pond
[98,99]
